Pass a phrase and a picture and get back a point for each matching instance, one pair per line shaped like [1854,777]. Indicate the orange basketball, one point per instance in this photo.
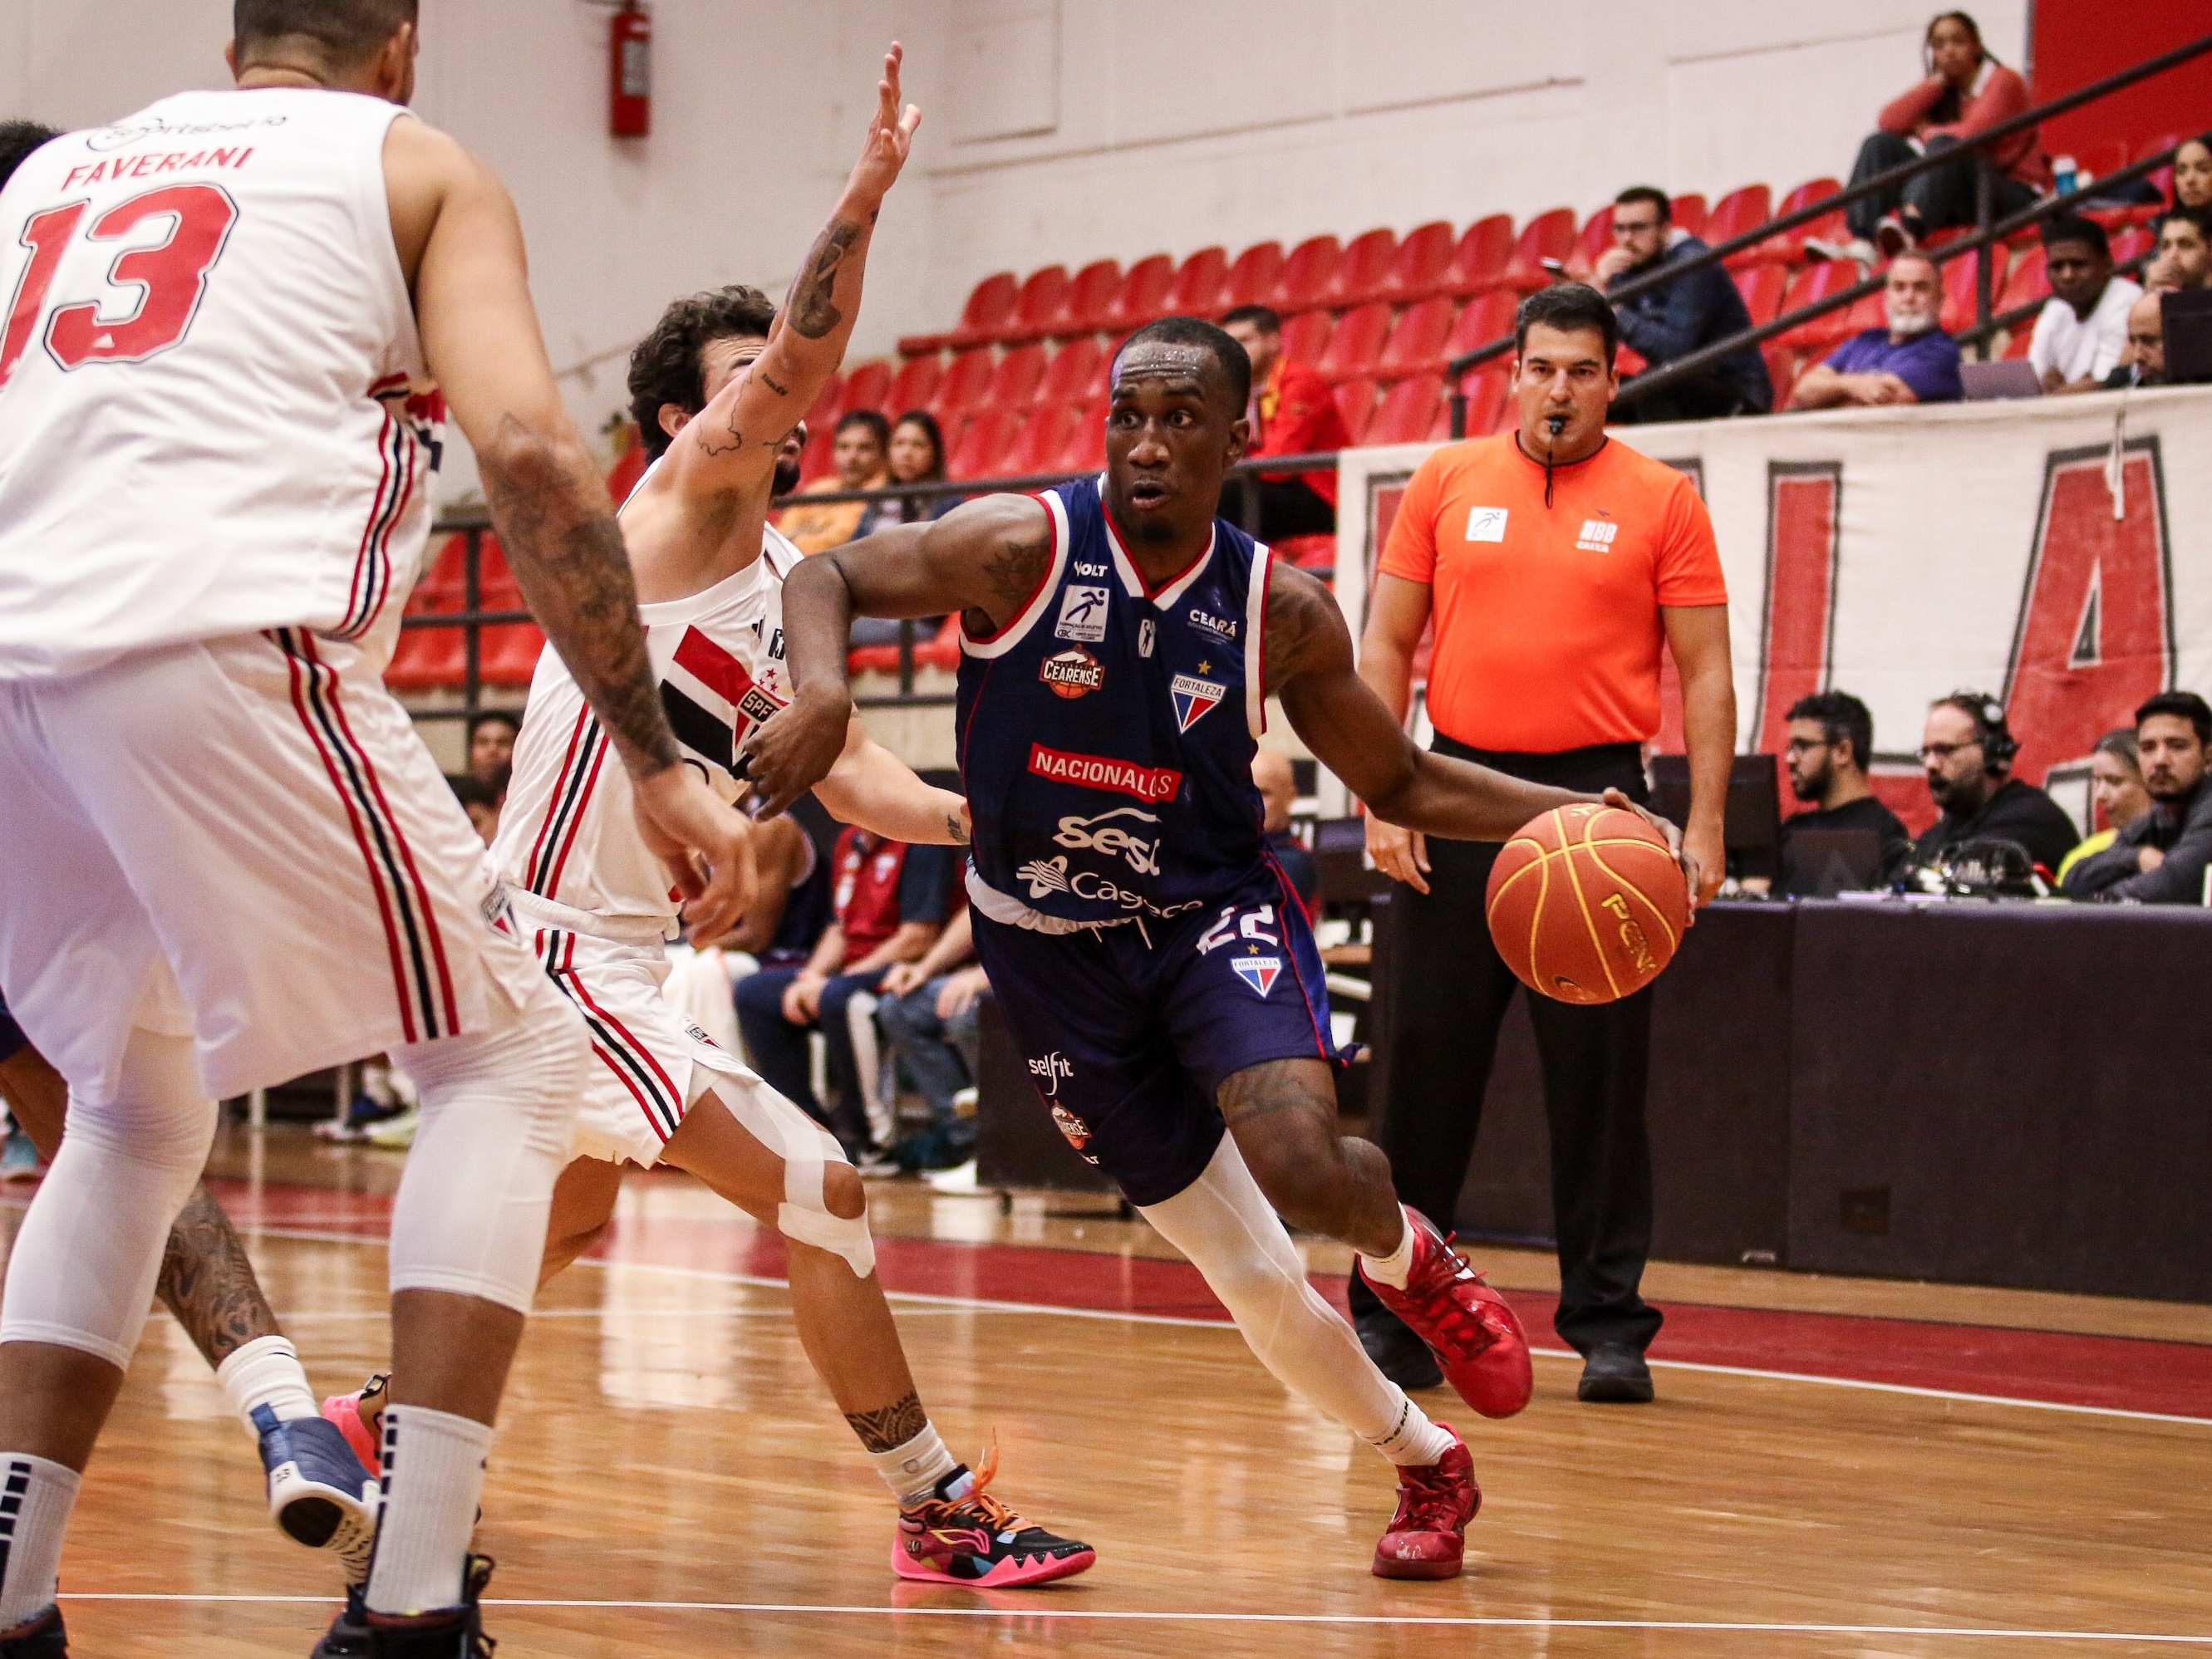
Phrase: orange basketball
[1586,904]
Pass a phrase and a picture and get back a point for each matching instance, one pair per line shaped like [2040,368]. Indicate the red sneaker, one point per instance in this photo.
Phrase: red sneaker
[1427,1537]
[1451,1307]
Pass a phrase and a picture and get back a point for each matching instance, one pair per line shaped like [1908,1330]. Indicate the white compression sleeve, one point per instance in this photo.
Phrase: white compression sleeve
[1224,1224]
[85,1264]
[497,1109]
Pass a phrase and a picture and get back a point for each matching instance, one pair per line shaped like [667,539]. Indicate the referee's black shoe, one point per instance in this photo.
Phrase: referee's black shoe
[1613,1373]
[1397,1349]
[42,1638]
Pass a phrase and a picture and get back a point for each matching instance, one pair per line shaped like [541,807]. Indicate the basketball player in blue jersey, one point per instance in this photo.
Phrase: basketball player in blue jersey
[1119,644]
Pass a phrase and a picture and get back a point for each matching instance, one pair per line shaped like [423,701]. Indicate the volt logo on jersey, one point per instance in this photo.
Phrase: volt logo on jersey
[1193,697]
[1082,615]
[1258,972]
[1073,672]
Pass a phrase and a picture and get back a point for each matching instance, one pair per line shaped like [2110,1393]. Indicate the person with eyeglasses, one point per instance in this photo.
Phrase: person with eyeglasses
[1680,316]
[1830,745]
[1967,749]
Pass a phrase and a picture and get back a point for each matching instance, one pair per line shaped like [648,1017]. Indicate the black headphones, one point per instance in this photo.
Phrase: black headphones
[1998,743]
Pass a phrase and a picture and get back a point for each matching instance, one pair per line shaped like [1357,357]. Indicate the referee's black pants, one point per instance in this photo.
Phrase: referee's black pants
[1446,990]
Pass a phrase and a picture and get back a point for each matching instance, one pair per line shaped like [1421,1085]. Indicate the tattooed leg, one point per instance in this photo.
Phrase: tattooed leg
[892,1425]
[209,1285]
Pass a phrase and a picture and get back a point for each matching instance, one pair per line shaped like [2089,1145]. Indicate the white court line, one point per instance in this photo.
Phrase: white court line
[1043,1610]
[985,1305]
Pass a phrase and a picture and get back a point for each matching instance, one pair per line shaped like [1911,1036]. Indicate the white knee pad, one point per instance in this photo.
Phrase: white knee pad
[807,1150]
[85,1264]
[497,1106]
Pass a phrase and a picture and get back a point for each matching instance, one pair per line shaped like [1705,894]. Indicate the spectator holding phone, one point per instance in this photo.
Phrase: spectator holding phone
[1675,319]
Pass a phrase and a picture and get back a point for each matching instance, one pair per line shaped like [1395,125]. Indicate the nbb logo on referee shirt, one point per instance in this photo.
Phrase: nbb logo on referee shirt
[1148,783]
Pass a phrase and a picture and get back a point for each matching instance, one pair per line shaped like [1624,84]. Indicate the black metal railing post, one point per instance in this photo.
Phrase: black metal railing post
[906,656]
[471,629]
[1984,206]
[1459,407]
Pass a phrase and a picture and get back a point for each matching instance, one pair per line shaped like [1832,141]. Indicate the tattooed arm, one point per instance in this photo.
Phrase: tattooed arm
[986,558]
[874,789]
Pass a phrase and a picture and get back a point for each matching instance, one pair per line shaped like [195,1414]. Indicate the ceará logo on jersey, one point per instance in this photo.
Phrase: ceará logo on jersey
[1073,672]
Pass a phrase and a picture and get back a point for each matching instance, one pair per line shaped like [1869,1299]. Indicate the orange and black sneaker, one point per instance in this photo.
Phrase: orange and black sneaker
[961,1535]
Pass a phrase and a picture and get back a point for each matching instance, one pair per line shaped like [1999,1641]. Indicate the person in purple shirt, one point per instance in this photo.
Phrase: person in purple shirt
[1912,360]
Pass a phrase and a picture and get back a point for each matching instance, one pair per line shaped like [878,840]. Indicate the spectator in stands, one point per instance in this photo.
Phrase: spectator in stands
[479,802]
[2193,173]
[1967,92]
[1830,747]
[1278,792]
[1293,412]
[1967,751]
[2143,363]
[928,1015]
[889,903]
[2084,325]
[2162,857]
[917,456]
[2183,259]
[1910,362]
[1677,318]
[491,747]
[861,454]
[2116,786]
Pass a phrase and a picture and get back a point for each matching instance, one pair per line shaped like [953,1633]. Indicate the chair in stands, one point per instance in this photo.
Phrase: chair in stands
[2027,284]
[961,389]
[989,304]
[1488,317]
[913,387]
[1783,370]
[1417,339]
[1738,211]
[1487,386]
[1478,262]
[940,650]
[1810,285]
[1407,410]
[1044,298]
[1958,310]
[1013,384]
[1316,555]
[1689,213]
[1762,288]
[1417,268]
[1307,275]
[867,386]
[1596,236]
[819,459]
[1086,449]
[1306,336]
[1549,235]
[829,403]
[2131,243]
[1196,289]
[984,448]
[1143,296]
[1788,247]
[1050,429]
[1090,296]
[1362,270]
[1252,277]
[1355,402]
[1357,345]
[1076,374]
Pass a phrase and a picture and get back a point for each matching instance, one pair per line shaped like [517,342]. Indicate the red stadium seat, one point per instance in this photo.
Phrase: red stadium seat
[1817,282]
[1315,553]
[1478,263]
[1076,374]
[1416,343]
[1252,279]
[829,403]
[1196,289]
[1783,372]
[629,466]
[2099,156]
[2162,178]
[1044,298]
[913,387]
[985,448]
[1051,427]
[1762,288]
[1365,271]
[2026,282]
[1788,247]
[961,387]
[940,650]
[1305,336]
[2017,341]
[509,653]
[1738,211]
[990,303]
[819,459]
[1689,211]
[1488,409]
[1959,287]
[1417,268]
[1355,402]
[1014,383]
[1086,449]
[2130,243]
[1307,275]
[1357,345]
[865,386]
[1091,296]
[1547,236]
[1595,238]
[1406,412]
[428,659]
[1487,318]
[1143,295]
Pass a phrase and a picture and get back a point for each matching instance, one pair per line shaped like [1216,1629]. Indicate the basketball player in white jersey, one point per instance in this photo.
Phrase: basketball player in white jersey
[231,860]
[715,387]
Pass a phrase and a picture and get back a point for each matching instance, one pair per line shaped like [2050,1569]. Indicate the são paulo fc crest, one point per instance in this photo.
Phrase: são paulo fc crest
[1193,697]
[1258,972]
[1073,672]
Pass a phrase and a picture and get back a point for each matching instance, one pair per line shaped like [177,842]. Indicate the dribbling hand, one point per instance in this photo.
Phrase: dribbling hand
[792,750]
[1702,888]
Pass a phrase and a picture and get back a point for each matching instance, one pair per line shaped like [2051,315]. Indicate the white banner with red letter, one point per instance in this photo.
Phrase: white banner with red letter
[2054,552]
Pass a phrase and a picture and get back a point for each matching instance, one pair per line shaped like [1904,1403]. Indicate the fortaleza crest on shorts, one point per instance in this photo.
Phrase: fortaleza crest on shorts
[1193,697]
[1073,672]
[1077,1131]
[1258,972]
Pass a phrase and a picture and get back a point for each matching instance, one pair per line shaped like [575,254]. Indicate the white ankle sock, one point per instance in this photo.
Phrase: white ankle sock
[1393,1268]
[36,1497]
[913,1470]
[434,1474]
[1413,1439]
[266,1371]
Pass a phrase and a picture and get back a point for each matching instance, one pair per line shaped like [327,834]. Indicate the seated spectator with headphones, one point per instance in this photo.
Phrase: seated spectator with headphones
[1967,751]
[2162,857]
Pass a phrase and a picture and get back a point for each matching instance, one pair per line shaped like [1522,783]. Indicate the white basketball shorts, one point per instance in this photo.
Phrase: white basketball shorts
[650,1064]
[258,812]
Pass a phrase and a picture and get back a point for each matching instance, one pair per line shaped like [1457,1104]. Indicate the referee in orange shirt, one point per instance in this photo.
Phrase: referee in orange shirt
[1555,561]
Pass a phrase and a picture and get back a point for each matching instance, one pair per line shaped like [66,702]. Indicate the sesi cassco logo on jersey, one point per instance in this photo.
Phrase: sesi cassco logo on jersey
[1073,672]
[1111,833]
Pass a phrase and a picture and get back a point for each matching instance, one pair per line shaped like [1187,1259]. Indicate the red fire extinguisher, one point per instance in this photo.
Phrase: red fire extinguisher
[629,72]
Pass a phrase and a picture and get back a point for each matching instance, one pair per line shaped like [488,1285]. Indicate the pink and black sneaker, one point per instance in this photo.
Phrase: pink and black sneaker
[356,1416]
[960,1535]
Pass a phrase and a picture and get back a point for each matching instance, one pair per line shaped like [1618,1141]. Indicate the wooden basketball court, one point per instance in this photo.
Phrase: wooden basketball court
[1833,1468]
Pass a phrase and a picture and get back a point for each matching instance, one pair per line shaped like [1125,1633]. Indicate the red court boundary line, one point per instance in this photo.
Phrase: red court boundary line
[2107,1373]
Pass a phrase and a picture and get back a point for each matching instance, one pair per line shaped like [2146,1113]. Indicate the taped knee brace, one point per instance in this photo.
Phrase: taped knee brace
[807,1150]
[497,1109]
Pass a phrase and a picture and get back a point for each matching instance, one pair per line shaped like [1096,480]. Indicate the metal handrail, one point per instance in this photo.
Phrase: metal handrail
[1881,181]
